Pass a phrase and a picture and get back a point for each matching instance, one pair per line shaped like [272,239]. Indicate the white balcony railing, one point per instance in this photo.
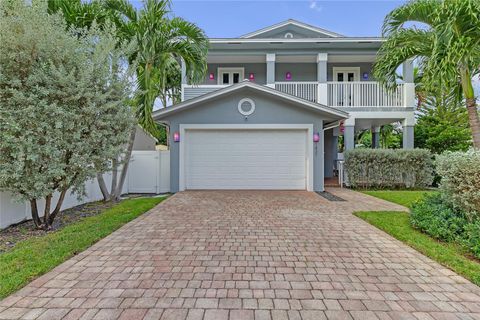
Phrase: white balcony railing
[307,90]
[334,94]
[364,94]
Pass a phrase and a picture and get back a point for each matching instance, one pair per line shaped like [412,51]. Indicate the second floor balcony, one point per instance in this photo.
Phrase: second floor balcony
[332,93]
[343,81]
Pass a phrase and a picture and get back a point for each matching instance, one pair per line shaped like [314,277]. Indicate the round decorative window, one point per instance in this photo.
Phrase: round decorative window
[246,106]
[288,35]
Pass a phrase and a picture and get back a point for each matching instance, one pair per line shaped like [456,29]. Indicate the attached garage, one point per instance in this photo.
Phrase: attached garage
[247,136]
[246,157]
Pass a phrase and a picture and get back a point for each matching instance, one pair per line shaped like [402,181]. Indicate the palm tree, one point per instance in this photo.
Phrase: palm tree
[162,42]
[448,50]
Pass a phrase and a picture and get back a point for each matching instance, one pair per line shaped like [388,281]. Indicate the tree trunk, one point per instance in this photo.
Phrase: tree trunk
[118,191]
[103,187]
[46,212]
[35,217]
[57,207]
[114,178]
[474,121]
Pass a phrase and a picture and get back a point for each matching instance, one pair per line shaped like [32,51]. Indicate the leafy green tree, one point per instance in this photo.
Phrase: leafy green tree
[442,126]
[162,41]
[63,110]
[448,50]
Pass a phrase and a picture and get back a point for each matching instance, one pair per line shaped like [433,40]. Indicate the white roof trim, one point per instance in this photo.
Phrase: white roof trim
[296,40]
[183,105]
[291,22]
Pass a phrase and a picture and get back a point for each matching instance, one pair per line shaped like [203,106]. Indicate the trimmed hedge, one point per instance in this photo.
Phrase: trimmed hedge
[387,168]
[460,182]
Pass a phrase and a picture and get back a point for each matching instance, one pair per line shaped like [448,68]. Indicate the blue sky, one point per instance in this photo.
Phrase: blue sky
[228,18]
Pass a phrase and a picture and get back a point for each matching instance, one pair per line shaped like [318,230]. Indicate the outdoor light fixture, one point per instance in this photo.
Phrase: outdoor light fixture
[316,137]
[251,76]
[211,76]
[288,76]
[176,136]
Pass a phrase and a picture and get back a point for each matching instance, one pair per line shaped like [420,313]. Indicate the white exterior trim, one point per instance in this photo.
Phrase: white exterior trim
[299,40]
[309,143]
[291,22]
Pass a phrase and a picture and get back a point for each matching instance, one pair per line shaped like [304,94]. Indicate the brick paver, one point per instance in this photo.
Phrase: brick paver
[249,255]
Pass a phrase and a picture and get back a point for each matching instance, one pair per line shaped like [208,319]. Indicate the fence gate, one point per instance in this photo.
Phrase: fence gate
[143,172]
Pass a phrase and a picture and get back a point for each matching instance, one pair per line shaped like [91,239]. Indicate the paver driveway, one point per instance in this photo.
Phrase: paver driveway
[249,255]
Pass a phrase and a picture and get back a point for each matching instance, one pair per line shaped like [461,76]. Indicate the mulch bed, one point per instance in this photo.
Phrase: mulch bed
[13,234]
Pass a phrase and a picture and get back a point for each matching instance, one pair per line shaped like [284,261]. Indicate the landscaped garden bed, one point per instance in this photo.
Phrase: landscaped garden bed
[398,224]
[33,253]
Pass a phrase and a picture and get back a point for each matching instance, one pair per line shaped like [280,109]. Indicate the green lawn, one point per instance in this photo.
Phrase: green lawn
[397,224]
[402,197]
[36,256]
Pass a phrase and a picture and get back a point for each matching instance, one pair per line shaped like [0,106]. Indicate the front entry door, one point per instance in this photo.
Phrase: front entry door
[346,92]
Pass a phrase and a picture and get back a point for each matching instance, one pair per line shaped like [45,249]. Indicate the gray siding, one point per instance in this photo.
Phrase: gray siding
[143,141]
[259,69]
[190,93]
[269,110]
[296,31]
[330,152]
[299,71]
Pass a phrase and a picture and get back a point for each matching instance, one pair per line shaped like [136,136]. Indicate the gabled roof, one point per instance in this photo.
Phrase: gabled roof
[334,113]
[292,22]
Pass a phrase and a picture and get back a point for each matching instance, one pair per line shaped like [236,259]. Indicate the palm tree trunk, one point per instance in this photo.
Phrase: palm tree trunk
[471,103]
[474,121]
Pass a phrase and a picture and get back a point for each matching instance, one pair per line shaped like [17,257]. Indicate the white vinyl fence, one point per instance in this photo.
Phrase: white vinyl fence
[149,172]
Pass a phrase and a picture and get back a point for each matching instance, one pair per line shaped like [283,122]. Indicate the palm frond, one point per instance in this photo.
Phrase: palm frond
[401,46]
[415,10]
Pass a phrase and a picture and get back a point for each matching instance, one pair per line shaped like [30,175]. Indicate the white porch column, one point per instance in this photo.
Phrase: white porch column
[375,137]
[322,95]
[408,133]
[409,86]
[349,134]
[270,70]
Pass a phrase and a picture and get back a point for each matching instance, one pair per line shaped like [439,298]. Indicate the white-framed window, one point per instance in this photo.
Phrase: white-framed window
[228,76]
[288,35]
[346,74]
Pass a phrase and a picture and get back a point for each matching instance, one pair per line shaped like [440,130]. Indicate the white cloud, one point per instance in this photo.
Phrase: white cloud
[314,5]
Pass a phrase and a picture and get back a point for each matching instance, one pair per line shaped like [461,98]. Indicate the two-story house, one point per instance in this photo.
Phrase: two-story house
[272,106]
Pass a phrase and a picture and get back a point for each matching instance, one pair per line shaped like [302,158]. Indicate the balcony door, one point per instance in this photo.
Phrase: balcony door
[229,76]
[346,92]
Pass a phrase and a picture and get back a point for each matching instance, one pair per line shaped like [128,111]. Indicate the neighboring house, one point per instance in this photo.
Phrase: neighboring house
[272,106]
[144,141]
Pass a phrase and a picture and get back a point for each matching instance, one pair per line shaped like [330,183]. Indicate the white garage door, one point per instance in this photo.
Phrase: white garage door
[245,159]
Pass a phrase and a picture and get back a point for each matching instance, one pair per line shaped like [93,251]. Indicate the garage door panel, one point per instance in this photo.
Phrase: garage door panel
[245,159]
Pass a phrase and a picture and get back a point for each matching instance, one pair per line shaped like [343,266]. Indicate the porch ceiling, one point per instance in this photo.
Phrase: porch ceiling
[289,58]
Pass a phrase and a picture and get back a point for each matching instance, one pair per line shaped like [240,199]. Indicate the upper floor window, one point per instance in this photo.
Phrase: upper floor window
[227,76]
[288,35]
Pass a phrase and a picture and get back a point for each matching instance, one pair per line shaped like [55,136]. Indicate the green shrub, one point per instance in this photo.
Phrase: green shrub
[438,218]
[471,238]
[387,168]
[460,172]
